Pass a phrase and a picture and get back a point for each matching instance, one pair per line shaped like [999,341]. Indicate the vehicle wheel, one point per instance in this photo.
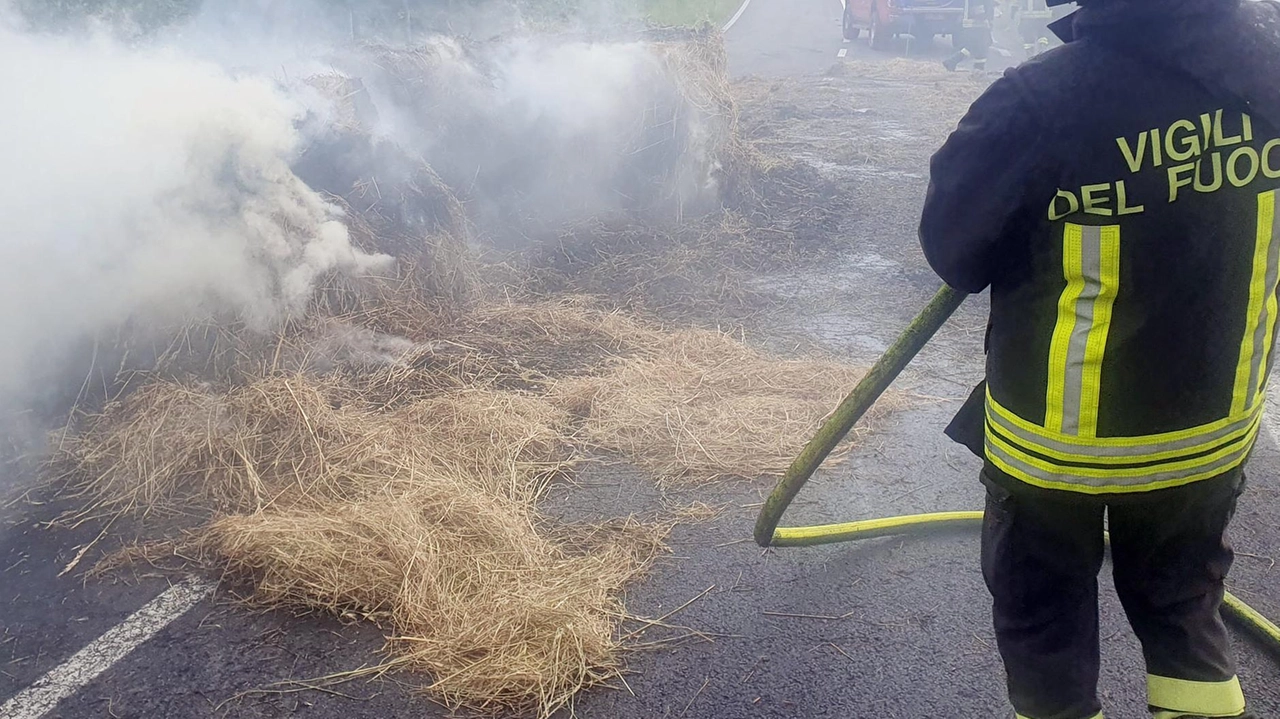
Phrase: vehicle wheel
[851,30]
[879,37]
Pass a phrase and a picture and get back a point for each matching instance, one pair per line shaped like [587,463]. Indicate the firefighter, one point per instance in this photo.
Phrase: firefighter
[1032,26]
[973,38]
[1118,195]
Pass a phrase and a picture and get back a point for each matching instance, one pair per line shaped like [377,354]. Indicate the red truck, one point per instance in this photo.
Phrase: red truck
[886,19]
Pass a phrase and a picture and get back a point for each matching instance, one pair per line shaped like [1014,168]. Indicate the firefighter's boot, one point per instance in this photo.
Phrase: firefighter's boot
[954,61]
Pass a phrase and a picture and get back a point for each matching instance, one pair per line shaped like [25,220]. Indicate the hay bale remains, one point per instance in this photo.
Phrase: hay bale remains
[401,487]
[704,406]
[501,616]
[421,519]
[392,200]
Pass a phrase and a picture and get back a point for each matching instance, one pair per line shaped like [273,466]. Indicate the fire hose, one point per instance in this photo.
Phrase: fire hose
[841,422]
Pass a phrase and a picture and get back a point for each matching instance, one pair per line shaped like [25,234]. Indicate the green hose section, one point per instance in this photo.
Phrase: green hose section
[1248,618]
[869,389]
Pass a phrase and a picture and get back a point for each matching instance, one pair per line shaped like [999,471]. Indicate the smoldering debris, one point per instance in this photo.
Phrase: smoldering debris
[378,448]
[406,493]
[148,189]
[535,132]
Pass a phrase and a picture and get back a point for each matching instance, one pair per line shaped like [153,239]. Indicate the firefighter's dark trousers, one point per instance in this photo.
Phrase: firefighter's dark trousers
[1041,552]
[972,42]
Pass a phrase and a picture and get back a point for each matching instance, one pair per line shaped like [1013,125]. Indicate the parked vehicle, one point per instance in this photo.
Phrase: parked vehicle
[886,19]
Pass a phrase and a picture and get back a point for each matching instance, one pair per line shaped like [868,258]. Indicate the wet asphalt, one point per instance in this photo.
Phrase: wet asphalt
[885,628]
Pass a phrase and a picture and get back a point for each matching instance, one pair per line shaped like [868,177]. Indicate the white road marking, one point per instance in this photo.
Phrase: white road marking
[741,9]
[87,664]
[843,51]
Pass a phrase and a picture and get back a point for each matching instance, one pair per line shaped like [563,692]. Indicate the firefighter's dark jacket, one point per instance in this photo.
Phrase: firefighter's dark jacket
[1118,197]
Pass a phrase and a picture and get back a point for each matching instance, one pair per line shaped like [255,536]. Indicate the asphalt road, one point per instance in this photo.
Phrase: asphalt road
[906,630]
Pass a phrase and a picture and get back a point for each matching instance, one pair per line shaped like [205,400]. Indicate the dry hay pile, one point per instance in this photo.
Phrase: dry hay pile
[420,519]
[703,209]
[702,405]
[405,493]
[383,457]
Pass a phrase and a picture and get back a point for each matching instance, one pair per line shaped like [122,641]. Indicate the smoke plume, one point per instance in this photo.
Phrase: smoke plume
[143,186]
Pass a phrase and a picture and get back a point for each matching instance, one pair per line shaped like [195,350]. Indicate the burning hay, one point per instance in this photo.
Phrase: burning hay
[702,405]
[382,455]
[421,519]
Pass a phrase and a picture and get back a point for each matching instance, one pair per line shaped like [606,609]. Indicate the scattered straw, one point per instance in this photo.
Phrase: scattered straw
[406,494]
[421,519]
[702,405]
[382,457]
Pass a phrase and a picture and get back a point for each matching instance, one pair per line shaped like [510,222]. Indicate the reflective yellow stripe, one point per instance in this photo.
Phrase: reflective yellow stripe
[1209,699]
[1098,489]
[1101,455]
[1091,267]
[1098,715]
[1026,466]
[1267,218]
[1064,452]
[1072,249]
[1151,447]
[1109,284]
[1261,299]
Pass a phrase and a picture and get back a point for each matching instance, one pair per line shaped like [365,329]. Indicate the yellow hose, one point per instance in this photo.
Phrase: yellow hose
[1249,618]
[868,528]
[1263,629]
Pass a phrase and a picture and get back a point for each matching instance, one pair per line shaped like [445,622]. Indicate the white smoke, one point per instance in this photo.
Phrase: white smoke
[142,185]
[537,131]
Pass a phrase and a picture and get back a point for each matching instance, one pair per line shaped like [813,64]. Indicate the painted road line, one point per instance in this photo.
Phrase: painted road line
[72,675]
[843,51]
[741,9]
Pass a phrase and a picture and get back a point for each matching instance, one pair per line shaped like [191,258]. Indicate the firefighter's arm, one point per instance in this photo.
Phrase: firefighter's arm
[979,187]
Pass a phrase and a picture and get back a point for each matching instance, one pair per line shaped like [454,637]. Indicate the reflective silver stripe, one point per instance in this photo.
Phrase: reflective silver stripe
[1084,452]
[1262,351]
[1072,476]
[1252,360]
[1260,348]
[1073,378]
